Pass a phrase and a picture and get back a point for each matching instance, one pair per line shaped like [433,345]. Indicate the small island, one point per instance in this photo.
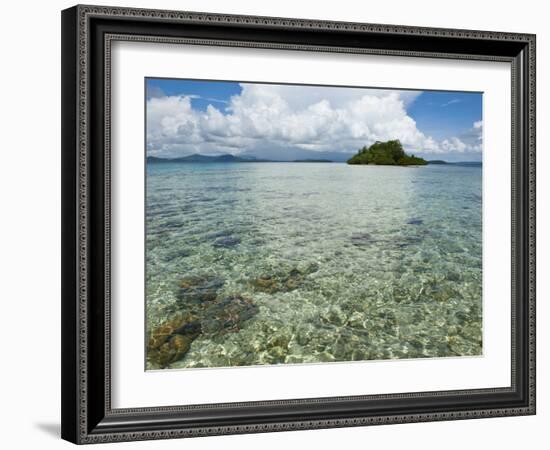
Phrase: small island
[388,153]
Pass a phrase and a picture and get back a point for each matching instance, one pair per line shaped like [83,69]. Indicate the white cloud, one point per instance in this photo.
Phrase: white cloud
[469,141]
[286,116]
[451,102]
[155,92]
[453,144]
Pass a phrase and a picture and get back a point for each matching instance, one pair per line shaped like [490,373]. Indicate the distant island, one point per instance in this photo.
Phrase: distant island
[388,153]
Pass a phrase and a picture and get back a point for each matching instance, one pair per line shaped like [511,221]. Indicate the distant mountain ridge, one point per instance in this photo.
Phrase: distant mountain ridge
[196,158]
[225,158]
[456,163]
[228,158]
[297,154]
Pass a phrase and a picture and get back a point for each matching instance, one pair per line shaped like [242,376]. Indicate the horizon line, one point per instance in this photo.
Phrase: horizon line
[260,160]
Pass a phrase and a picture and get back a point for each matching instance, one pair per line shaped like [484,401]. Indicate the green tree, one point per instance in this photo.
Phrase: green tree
[388,153]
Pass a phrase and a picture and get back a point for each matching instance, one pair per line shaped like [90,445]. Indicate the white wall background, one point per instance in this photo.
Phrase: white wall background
[30,223]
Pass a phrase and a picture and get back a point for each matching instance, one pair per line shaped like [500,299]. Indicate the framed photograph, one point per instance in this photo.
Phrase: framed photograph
[278,224]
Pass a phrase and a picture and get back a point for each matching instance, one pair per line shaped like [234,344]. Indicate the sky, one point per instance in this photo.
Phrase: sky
[274,121]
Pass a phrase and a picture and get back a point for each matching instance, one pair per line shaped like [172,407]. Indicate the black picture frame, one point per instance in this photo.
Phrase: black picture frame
[87,416]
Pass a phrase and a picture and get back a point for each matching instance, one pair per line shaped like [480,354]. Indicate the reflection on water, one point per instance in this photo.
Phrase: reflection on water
[266,263]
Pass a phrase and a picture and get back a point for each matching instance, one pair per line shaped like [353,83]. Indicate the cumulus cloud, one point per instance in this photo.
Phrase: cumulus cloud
[453,144]
[155,92]
[286,116]
[473,137]
[469,141]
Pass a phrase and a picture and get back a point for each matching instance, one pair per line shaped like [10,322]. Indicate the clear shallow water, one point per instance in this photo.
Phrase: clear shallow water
[311,262]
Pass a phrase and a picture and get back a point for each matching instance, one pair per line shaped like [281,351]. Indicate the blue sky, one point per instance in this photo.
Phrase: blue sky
[213,117]
[444,114]
[202,93]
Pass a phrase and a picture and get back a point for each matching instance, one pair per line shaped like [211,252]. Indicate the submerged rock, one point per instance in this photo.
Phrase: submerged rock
[163,332]
[357,320]
[312,267]
[177,254]
[228,314]
[226,242]
[219,234]
[294,280]
[360,239]
[285,283]
[335,316]
[359,355]
[407,241]
[442,293]
[277,355]
[453,276]
[199,289]
[190,328]
[279,340]
[266,283]
[172,340]
[462,317]
[294,359]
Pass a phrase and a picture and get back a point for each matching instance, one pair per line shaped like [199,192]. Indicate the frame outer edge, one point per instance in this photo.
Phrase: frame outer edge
[532,144]
[69,264]
[75,60]
[297,23]
[83,169]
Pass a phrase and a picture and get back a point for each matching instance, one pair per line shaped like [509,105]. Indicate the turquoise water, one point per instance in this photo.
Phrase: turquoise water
[269,263]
